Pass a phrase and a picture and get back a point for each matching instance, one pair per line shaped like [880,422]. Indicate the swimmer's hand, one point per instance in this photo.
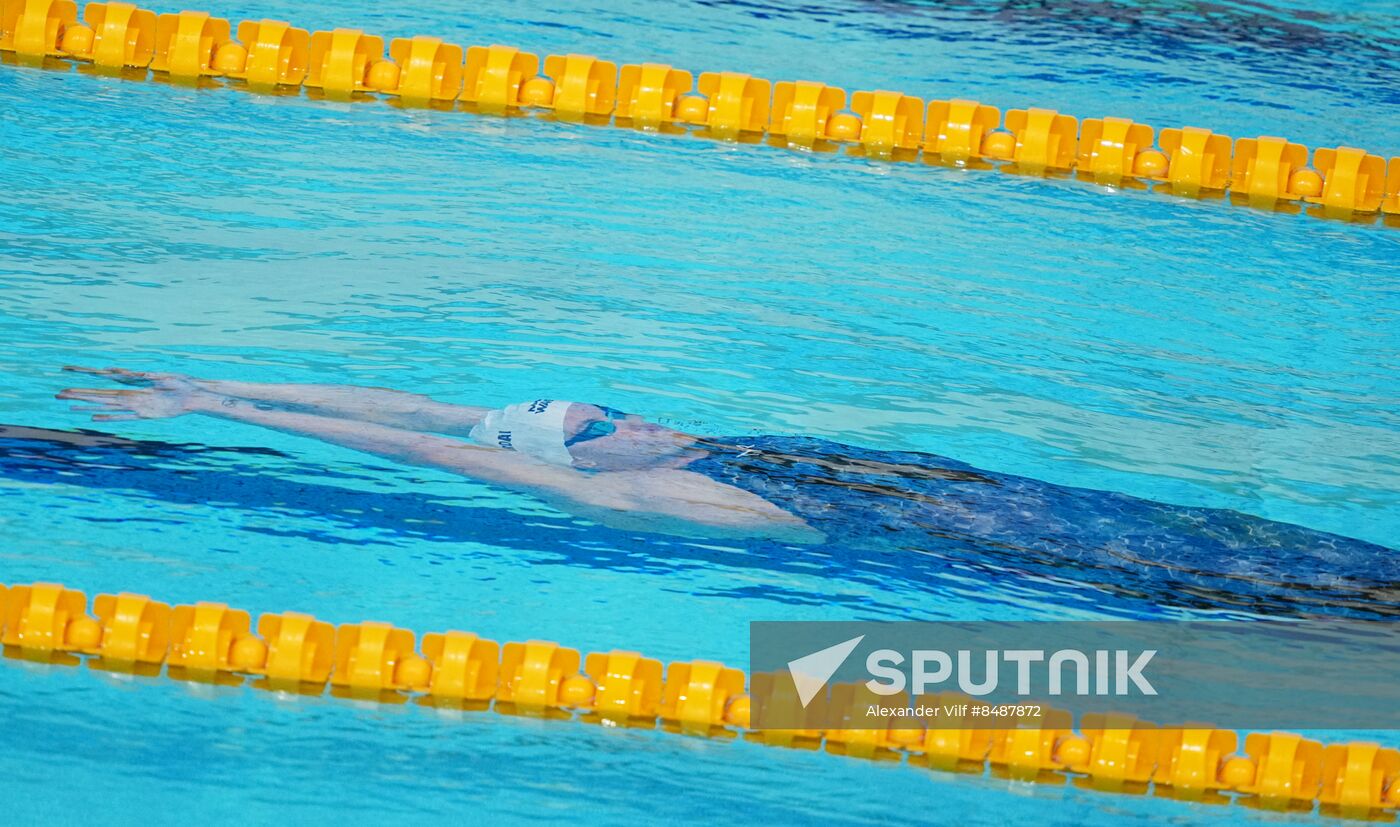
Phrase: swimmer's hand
[158,395]
[123,405]
[139,378]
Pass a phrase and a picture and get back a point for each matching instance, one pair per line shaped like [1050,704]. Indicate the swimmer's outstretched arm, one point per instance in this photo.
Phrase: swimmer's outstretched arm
[397,409]
[413,447]
[383,406]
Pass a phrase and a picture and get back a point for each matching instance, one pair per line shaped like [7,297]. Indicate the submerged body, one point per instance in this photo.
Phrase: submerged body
[626,473]
[1204,557]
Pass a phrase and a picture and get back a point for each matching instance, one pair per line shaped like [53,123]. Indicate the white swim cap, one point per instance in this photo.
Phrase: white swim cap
[535,429]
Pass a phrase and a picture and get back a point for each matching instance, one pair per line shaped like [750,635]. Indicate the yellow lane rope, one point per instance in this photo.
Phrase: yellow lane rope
[1266,171]
[291,651]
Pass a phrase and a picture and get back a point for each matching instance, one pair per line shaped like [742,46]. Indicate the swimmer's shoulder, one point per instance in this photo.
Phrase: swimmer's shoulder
[696,498]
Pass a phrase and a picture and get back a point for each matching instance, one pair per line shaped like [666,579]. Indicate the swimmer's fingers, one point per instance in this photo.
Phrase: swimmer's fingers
[110,412]
[122,375]
[125,409]
[112,373]
[96,406]
[92,394]
[136,403]
[103,400]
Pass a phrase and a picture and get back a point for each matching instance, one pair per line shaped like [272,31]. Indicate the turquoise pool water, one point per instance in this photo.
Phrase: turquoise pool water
[1187,352]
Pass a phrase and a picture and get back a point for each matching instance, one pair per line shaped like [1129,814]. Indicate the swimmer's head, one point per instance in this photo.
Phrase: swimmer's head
[590,437]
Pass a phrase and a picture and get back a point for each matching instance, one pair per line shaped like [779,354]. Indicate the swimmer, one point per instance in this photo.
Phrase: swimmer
[624,472]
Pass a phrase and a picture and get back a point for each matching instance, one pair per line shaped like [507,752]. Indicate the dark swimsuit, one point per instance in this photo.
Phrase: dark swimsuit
[1177,555]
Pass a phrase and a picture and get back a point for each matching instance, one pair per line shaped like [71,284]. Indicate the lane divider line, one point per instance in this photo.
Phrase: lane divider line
[295,652]
[1266,172]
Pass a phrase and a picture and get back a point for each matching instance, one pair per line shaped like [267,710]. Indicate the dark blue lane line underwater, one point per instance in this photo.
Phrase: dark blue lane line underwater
[932,525]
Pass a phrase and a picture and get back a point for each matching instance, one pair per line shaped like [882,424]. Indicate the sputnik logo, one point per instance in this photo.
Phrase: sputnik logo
[811,672]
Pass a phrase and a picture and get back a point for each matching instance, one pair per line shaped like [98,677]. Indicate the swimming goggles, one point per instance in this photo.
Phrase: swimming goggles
[597,427]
